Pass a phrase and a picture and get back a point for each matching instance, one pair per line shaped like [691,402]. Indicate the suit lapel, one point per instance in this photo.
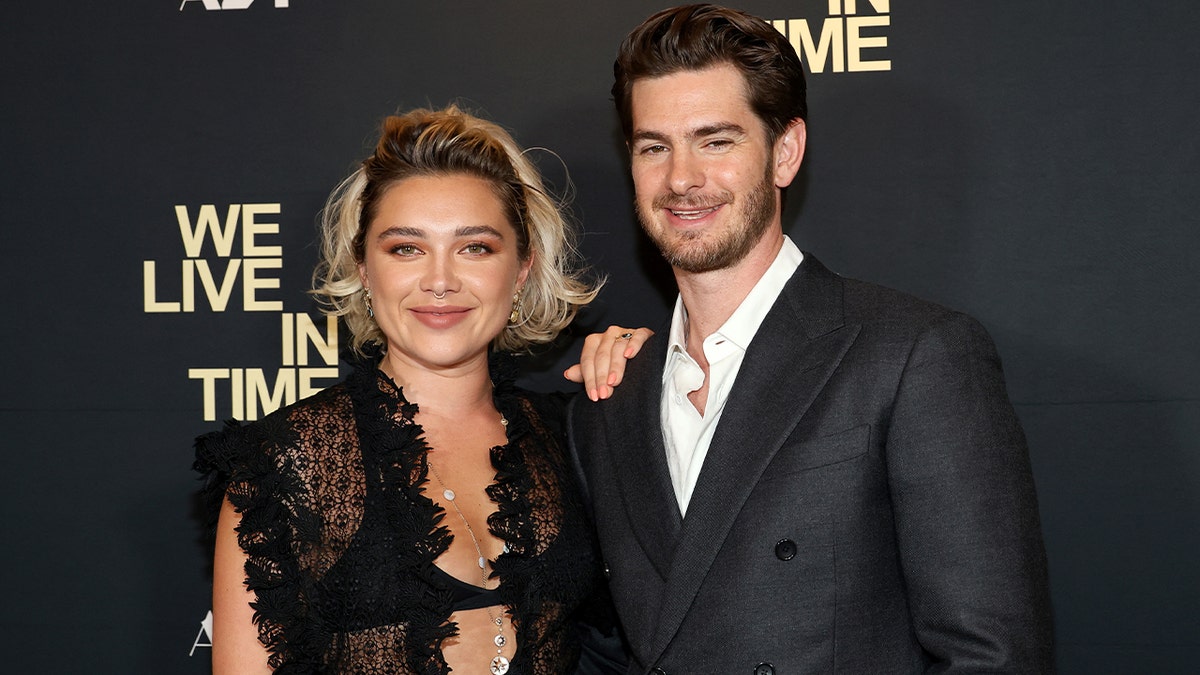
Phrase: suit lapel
[794,353]
[640,458]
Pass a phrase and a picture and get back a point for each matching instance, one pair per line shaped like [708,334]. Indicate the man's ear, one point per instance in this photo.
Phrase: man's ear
[789,152]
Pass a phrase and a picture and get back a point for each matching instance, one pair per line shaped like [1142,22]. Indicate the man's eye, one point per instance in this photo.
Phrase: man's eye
[654,149]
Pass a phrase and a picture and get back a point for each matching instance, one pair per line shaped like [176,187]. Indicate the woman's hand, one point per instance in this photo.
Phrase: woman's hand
[602,363]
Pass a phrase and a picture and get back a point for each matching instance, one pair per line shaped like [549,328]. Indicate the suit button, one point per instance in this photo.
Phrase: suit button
[607,572]
[784,550]
[658,671]
[765,668]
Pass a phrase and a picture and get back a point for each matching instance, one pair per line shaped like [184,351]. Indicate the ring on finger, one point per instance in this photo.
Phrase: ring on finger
[625,336]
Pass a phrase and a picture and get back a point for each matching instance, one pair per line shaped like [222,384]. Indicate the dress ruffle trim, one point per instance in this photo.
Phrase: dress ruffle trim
[251,465]
[239,463]
[390,436]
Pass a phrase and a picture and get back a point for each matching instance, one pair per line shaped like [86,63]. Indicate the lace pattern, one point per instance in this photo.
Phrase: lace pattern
[341,539]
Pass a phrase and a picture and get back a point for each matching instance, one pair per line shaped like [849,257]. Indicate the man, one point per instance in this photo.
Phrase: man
[806,474]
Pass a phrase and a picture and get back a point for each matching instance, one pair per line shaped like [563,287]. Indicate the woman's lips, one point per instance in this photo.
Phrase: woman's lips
[439,317]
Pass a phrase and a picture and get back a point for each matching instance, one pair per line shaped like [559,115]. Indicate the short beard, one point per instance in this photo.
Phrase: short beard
[691,254]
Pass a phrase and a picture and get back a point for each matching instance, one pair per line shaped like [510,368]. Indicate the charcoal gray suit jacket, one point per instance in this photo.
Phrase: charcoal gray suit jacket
[866,505]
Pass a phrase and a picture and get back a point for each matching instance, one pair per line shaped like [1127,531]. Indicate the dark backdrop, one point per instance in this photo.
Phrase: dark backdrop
[1032,163]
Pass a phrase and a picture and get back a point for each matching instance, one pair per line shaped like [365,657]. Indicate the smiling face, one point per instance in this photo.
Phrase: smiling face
[441,261]
[706,178]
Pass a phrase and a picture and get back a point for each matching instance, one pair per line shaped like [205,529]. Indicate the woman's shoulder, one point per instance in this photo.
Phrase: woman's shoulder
[333,400]
[289,429]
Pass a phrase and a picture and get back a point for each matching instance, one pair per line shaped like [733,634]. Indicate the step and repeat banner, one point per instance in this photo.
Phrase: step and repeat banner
[1034,164]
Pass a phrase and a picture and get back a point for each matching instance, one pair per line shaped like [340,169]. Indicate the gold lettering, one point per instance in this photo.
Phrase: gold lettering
[209,377]
[289,344]
[307,388]
[252,228]
[251,284]
[856,43]
[816,54]
[217,298]
[188,282]
[207,220]
[150,302]
[307,333]
[272,399]
[235,394]
[851,6]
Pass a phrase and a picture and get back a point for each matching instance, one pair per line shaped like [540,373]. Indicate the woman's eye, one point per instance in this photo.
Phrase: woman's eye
[405,249]
[477,248]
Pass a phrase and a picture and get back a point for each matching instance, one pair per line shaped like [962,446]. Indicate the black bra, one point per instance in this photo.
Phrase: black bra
[467,596]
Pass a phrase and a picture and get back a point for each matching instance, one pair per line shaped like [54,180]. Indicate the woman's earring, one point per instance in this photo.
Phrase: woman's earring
[367,300]
[516,309]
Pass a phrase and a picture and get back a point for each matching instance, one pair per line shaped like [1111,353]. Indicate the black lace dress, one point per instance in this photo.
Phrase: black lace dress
[341,540]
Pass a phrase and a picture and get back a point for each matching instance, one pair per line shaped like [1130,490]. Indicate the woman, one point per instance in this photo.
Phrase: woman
[418,517]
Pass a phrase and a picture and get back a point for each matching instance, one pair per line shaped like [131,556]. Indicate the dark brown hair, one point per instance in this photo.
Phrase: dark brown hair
[694,37]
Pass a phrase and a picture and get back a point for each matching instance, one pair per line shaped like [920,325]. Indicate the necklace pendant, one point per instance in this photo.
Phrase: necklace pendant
[482,563]
[500,640]
[499,665]
[448,494]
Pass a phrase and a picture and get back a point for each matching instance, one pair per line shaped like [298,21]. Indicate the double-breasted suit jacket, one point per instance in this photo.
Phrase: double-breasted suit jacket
[866,504]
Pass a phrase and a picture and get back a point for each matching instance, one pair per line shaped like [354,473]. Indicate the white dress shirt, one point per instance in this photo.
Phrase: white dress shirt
[686,433]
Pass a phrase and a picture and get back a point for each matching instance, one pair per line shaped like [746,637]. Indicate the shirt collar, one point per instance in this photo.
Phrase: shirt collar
[743,324]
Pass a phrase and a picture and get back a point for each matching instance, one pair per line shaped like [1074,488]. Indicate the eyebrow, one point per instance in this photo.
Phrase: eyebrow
[648,136]
[722,128]
[468,231]
[698,132]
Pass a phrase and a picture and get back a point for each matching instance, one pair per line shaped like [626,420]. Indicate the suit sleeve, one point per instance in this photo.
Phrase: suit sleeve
[965,509]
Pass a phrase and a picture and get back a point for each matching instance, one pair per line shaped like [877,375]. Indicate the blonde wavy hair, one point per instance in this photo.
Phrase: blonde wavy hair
[447,142]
